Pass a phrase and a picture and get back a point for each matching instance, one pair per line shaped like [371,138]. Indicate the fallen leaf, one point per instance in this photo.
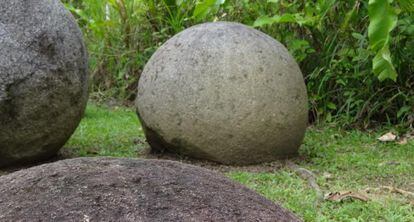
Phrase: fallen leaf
[342,195]
[391,189]
[402,141]
[388,137]
[405,138]
[399,191]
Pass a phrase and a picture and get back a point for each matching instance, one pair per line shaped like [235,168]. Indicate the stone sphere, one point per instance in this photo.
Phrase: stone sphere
[110,189]
[43,79]
[223,92]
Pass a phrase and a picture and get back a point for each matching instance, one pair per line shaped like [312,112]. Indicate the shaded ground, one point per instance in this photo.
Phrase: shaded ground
[256,168]
[7,170]
[339,160]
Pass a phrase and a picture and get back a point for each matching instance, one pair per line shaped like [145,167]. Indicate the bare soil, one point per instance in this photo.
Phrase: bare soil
[270,167]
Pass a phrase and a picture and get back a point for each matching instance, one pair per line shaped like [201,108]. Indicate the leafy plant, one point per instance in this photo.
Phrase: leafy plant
[342,47]
[383,19]
[357,56]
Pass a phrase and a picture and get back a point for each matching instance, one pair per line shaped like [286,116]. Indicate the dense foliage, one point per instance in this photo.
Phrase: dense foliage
[357,56]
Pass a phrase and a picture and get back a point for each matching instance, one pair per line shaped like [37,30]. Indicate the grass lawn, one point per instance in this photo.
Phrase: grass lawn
[340,161]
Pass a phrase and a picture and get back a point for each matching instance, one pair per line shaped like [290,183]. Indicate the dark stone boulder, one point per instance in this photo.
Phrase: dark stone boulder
[109,189]
[223,92]
[43,79]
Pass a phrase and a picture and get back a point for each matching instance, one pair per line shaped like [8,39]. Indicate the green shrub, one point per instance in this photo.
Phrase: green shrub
[357,56]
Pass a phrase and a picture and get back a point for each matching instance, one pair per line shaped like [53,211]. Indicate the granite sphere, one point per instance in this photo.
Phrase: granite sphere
[43,79]
[223,92]
[111,189]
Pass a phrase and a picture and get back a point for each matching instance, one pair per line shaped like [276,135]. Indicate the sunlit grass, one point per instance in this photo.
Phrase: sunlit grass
[354,160]
[107,132]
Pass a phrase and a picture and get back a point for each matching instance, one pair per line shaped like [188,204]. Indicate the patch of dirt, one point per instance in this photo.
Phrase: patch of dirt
[256,168]
[113,189]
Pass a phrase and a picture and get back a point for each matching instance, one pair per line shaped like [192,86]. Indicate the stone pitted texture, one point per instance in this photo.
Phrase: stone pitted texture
[105,189]
[223,92]
[43,79]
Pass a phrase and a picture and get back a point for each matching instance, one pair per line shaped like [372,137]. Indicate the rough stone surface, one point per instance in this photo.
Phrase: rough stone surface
[105,189]
[223,92]
[43,79]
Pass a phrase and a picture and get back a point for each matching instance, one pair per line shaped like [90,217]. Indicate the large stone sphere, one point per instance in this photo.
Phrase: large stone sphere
[43,79]
[223,92]
[106,189]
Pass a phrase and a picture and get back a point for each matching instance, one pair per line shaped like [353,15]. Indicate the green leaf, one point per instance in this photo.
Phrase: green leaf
[285,18]
[383,19]
[358,36]
[277,19]
[331,106]
[203,8]
[179,2]
[403,111]
[262,21]
[382,65]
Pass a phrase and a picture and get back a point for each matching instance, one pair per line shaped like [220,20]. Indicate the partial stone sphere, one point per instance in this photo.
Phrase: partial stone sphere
[43,79]
[106,189]
[223,92]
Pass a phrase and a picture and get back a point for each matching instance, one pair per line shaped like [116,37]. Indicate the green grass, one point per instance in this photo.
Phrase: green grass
[107,132]
[355,160]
